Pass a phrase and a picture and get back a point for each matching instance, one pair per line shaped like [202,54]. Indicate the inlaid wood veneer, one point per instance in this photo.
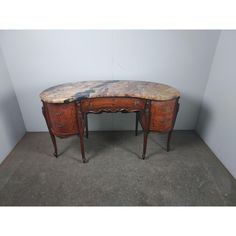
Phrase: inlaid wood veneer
[65,107]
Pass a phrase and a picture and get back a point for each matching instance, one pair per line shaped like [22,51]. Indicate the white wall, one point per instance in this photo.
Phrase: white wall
[40,59]
[217,120]
[11,123]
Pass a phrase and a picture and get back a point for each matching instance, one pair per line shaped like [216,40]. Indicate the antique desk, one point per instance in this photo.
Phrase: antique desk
[65,107]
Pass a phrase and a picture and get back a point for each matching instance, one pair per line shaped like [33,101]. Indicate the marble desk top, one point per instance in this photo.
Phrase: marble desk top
[70,92]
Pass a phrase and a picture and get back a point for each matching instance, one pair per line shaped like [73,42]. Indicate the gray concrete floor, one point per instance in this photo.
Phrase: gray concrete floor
[189,175]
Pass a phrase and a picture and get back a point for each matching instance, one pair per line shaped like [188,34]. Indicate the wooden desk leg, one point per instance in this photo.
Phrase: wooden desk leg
[170,132]
[53,138]
[136,123]
[168,141]
[145,135]
[81,131]
[82,147]
[146,127]
[86,125]
[54,144]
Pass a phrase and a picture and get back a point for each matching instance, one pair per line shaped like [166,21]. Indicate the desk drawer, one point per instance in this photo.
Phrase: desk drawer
[62,118]
[112,104]
[162,115]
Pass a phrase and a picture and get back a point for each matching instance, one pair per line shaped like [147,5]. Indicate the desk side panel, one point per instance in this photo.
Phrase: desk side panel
[163,114]
[62,118]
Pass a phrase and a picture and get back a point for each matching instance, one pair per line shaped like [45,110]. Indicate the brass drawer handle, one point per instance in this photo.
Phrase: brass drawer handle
[59,113]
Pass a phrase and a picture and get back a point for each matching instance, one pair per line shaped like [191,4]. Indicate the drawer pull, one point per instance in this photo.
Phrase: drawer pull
[60,125]
[59,113]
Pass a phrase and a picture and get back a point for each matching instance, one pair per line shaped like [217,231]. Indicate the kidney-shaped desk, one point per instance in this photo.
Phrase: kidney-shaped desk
[65,107]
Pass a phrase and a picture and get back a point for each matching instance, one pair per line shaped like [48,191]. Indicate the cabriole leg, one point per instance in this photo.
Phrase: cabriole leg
[53,138]
[81,121]
[168,141]
[82,148]
[54,144]
[170,132]
[136,123]
[86,125]
[145,135]
[146,128]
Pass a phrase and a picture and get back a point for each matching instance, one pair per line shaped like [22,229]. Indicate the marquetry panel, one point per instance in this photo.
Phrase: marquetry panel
[162,115]
[62,118]
[112,104]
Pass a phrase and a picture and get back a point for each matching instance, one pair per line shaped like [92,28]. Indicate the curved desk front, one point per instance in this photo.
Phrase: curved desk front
[65,107]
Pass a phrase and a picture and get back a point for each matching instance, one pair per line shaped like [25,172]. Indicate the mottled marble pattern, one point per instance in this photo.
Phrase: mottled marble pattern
[108,88]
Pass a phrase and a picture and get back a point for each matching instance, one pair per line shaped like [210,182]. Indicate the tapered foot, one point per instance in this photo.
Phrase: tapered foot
[143,157]
[85,161]
[55,154]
